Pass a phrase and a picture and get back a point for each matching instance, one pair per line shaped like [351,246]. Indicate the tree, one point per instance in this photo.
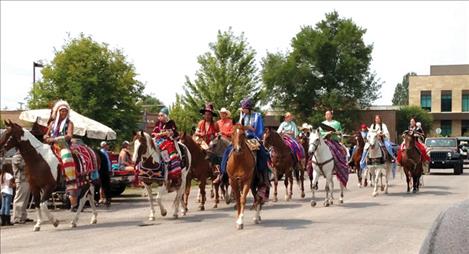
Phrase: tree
[406,112]
[401,92]
[328,68]
[226,75]
[96,81]
[151,103]
[179,114]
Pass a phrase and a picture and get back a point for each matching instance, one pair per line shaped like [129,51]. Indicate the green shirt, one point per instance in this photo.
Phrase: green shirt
[334,124]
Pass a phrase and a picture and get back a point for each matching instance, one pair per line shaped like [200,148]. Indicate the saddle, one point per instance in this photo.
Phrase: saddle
[201,142]
[253,144]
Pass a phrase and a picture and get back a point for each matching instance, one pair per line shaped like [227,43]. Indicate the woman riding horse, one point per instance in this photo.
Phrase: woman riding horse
[254,126]
[225,124]
[330,130]
[416,129]
[59,134]
[381,130]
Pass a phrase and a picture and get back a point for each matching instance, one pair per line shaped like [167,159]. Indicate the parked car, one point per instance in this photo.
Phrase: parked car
[120,179]
[444,153]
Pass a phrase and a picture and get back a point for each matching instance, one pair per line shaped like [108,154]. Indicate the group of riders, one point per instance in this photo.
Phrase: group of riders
[165,133]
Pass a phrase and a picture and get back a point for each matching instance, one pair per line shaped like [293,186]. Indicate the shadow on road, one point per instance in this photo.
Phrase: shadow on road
[280,206]
[360,204]
[86,226]
[423,191]
[287,224]
[201,217]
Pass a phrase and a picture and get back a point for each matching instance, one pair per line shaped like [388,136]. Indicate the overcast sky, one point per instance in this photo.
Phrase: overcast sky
[163,39]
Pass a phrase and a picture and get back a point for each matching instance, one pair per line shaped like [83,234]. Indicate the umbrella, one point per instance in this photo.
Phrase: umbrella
[83,126]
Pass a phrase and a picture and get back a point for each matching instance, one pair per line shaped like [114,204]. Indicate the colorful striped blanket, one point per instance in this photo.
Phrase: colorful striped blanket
[170,156]
[295,147]
[341,166]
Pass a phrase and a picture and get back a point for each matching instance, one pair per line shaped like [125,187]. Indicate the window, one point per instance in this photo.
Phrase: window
[426,100]
[445,126]
[465,128]
[445,101]
[465,101]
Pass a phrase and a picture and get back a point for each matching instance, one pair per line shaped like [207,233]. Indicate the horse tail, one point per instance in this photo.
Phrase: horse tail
[104,177]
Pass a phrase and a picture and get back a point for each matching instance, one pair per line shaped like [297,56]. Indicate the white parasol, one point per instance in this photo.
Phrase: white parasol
[83,126]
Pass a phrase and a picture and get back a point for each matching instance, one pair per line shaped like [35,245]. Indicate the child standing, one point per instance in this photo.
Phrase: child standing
[7,183]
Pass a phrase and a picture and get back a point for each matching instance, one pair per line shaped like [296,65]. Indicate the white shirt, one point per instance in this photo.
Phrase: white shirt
[6,185]
[377,129]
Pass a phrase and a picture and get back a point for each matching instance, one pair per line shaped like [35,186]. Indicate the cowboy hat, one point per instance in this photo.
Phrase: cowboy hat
[208,107]
[224,110]
[306,126]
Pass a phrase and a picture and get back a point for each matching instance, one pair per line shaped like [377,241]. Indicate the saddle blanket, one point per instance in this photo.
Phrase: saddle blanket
[170,156]
[295,147]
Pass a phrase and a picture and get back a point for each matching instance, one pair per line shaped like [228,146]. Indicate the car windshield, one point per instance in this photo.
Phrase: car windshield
[441,142]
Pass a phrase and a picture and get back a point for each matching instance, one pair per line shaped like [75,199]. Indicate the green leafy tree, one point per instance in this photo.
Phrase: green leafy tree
[406,112]
[226,75]
[328,68]
[178,113]
[97,82]
[401,92]
[151,103]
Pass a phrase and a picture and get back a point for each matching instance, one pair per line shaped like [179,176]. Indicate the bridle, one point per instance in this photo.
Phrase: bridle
[315,146]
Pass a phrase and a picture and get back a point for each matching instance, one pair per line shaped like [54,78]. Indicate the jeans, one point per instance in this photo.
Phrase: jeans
[6,202]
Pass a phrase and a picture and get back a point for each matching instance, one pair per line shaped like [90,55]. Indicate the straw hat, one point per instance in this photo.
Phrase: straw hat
[224,110]
[306,126]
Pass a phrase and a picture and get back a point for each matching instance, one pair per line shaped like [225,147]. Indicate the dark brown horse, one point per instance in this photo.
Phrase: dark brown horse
[215,152]
[240,169]
[356,157]
[200,170]
[42,169]
[412,161]
[283,163]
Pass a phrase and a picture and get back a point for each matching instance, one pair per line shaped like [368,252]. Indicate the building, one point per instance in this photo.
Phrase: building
[388,116]
[445,94]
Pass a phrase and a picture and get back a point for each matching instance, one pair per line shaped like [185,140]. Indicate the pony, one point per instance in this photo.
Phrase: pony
[215,151]
[200,169]
[283,163]
[147,157]
[240,169]
[42,170]
[323,164]
[411,161]
[379,163]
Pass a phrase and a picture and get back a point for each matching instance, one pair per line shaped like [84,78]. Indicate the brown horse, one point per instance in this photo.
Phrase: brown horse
[412,161]
[200,170]
[240,169]
[42,169]
[356,157]
[215,152]
[283,163]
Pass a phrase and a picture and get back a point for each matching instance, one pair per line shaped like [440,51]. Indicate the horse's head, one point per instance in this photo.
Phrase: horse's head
[267,138]
[218,145]
[144,148]
[409,138]
[12,136]
[238,138]
[372,137]
[314,141]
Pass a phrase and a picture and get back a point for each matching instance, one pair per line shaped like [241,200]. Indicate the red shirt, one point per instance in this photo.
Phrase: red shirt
[226,127]
[207,133]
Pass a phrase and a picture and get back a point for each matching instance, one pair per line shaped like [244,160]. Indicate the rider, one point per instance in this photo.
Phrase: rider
[166,135]
[364,134]
[288,126]
[331,137]
[207,129]
[416,128]
[225,124]
[254,126]
[125,161]
[381,130]
[59,134]
[305,131]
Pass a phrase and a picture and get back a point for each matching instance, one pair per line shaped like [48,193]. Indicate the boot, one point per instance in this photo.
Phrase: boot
[8,220]
[3,219]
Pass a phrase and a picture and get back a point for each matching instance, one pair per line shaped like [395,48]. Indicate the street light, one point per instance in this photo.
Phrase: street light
[40,65]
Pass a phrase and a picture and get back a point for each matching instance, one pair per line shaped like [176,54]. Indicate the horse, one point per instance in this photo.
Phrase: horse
[283,163]
[215,151]
[42,169]
[323,164]
[200,170]
[379,163]
[240,169]
[356,157]
[147,157]
[304,141]
[412,161]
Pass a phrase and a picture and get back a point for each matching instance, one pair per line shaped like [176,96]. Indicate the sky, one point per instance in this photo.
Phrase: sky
[164,39]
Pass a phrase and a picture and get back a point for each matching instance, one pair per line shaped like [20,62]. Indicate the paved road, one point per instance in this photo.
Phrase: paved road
[394,223]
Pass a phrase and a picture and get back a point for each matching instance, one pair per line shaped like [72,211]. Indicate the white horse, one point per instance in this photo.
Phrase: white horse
[323,164]
[379,165]
[146,153]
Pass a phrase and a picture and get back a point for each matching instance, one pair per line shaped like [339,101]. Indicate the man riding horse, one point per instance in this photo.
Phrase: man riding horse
[330,130]
[288,126]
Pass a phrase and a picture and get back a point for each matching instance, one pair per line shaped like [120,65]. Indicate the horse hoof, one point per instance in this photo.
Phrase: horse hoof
[359,185]
[275,199]
[212,195]
[341,201]
[386,192]
[94,221]
[414,191]
[201,208]
[382,188]
[175,216]
[374,194]
[302,195]
[36,228]
[331,202]
[56,223]
[164,212]
[151,218]
[326,204]
[313,203]
[215,206]
[73,225]
[257,220]
[239,226]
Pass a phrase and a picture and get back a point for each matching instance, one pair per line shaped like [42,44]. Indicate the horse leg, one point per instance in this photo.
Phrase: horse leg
[416,182]
[80,207]
[358,175]
[326,200]
[37,195]
[150,198]
[235,188]
[94,217]
[202,194]
[315,181]
[275,185]
[159,193]
[331,200]
[341,200]
[386,178]
[290,178]
[244,194]
[288,189]
[407,177]
[217,194]
[179,194]
[376,180]
[43,205]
